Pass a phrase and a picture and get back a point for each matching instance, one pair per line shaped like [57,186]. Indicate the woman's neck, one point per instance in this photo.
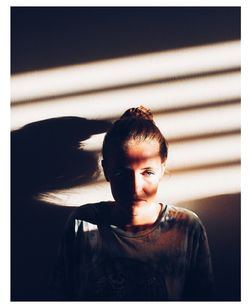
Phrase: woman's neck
[136,218]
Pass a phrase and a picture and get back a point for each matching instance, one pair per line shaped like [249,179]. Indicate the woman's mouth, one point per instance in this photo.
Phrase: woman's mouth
[137,200]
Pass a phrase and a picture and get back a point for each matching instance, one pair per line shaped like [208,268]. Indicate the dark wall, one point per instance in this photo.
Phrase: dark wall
[50,37]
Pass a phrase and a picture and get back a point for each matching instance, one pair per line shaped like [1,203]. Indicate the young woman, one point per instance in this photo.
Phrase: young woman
[134,248]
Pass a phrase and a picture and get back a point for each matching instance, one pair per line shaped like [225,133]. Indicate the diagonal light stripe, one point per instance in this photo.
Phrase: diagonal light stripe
[200,184]
[127,70]
[204,152]
[113,103]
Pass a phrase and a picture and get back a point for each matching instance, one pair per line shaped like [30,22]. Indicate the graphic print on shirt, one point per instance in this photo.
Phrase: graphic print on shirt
[125,279]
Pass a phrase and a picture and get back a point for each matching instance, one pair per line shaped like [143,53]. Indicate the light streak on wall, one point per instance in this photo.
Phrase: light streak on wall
[200,184]
[127,70]
[204,152]
[108,104]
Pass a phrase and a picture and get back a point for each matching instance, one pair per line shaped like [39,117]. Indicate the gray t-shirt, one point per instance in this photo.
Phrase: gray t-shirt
[170,260]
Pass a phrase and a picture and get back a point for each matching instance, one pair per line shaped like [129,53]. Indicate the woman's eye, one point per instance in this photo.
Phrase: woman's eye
[120,173]
[148,173]
[117,174]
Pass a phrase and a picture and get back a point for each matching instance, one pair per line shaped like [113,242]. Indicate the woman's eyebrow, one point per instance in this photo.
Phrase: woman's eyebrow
[131,169]
[147,168]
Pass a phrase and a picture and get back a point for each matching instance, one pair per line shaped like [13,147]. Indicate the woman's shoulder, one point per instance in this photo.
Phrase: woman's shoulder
[182,215]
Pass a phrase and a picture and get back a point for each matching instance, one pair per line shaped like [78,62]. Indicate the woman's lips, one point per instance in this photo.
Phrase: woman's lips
[137,200]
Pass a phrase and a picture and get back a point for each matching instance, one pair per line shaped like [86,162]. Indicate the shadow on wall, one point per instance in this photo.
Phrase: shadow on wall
[44,155]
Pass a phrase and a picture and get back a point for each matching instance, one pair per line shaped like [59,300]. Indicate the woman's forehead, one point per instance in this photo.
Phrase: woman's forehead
[137,152]
[145,149]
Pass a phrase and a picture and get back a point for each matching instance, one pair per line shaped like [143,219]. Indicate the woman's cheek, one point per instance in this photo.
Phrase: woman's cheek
[152,187]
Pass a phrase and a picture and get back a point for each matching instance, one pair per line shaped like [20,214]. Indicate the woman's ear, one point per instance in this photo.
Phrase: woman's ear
[163,168]
[105,171]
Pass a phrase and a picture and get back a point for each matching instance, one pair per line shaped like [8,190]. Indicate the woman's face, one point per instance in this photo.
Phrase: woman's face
[134,173]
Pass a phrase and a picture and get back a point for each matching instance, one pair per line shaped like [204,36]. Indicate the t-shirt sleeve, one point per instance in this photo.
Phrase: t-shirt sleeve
[61,283]
[200,279]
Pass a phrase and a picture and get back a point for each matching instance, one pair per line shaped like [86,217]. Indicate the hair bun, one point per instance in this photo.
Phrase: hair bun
[138,112]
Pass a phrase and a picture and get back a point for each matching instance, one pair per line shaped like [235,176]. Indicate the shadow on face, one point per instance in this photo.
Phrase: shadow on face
[134,172]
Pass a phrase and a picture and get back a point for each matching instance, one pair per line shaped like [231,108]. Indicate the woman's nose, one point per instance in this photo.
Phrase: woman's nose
[137,184]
